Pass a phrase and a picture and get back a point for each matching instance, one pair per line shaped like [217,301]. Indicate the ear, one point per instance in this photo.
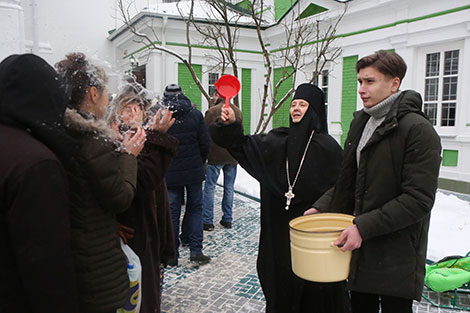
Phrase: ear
[94,94]
[395,84]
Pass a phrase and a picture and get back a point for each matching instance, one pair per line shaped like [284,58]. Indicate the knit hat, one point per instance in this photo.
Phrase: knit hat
[172,90]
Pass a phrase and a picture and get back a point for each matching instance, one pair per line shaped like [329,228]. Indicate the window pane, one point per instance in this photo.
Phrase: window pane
[325,93]
[212,89]
[451,62]
[431,89]
[450,88]
[432,64]
[430,109]
[448,114]
[324,75]
[213,77]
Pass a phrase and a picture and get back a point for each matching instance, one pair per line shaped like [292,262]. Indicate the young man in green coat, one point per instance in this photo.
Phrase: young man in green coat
[388,180]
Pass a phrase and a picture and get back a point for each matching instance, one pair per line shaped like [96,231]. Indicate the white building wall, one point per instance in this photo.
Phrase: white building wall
[412,41]
[12,27]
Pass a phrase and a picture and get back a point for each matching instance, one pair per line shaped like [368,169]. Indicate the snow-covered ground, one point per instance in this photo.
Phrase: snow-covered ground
[449,232]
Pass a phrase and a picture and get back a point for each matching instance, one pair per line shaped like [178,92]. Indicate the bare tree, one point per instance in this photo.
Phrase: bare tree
[141,37]
[221,31]
[307,44]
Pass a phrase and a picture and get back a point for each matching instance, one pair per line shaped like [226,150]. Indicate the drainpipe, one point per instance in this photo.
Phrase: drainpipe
[163,66]
[35,26]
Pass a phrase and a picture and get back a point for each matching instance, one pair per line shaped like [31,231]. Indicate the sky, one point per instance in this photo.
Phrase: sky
[449,232]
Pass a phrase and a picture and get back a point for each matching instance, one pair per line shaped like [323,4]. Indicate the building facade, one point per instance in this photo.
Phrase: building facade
[432,36]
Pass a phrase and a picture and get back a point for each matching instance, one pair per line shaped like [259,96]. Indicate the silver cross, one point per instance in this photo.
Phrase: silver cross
[289,195]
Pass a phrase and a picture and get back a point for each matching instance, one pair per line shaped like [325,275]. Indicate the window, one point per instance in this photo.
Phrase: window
[440,87]
[213,77]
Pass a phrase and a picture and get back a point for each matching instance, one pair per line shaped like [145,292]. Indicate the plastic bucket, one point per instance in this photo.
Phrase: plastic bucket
[314,256]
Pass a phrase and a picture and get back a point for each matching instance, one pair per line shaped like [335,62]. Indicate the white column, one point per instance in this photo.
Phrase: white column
[12,23]
[154,74]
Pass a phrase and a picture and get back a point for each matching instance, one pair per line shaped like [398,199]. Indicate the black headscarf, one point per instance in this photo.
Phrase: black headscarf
[33,97]
[314,119]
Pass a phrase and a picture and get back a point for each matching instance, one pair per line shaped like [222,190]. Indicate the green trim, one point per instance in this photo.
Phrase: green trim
[264,10]
[177,44]
[245,4]
[367,30]
[278,17]
[281,7]
[450,157]
[187,84]
[311,9]
[411,20]
[348,94]
[281,117]
[246,100]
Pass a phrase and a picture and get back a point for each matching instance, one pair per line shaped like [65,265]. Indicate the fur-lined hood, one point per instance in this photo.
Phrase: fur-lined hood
[76,122]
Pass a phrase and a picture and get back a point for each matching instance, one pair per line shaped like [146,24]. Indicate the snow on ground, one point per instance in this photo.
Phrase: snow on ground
[449,232]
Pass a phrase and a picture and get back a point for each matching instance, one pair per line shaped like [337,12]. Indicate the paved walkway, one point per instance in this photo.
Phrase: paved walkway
[229,283]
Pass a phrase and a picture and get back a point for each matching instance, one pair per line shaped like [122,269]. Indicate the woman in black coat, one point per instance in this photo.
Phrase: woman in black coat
[37,272]
[301,161]
[146,225]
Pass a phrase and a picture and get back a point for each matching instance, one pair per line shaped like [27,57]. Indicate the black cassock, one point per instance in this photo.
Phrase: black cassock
[264,158]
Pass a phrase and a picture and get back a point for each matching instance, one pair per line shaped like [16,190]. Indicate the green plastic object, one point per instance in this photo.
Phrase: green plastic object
[448,275]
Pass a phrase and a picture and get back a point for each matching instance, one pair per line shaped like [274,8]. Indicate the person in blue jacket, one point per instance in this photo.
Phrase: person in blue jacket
[187,170]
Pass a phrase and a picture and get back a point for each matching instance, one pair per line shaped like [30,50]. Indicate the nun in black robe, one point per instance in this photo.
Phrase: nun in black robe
[264,157]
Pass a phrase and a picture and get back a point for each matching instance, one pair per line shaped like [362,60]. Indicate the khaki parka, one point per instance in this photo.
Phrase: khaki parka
[391,193]
[102,184]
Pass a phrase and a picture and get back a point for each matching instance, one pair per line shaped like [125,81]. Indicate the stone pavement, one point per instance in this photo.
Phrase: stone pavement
[229,283]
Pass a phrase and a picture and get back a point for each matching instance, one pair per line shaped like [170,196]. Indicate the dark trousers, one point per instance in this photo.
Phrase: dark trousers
[192,221]
[369,303]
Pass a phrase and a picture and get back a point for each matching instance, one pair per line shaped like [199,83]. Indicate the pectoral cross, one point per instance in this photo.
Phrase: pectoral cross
[289,195]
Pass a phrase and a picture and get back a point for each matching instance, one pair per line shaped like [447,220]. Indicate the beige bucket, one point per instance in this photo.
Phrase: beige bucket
[314,257]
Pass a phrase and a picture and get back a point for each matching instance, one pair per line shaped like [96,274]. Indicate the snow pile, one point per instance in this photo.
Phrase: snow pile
[450,227]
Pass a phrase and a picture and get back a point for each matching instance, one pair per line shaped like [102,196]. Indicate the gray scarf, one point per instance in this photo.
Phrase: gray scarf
[377,116]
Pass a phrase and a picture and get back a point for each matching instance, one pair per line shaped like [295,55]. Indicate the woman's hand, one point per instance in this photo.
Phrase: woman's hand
[227,115]
[311,211]
[133,143]
[125,233]
[162,122]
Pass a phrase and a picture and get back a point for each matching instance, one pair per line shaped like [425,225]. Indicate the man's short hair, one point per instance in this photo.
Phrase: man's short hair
[387,63]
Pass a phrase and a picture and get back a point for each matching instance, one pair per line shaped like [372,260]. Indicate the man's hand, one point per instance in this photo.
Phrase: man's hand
[311,211]
[227,115]
[162,121]
[350,239]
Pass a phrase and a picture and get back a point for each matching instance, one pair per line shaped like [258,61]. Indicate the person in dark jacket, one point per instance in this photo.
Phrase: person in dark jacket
[294,167]
[102,184]
[147,226]
[37,273]
[388,180]
[219,159]
[186,170]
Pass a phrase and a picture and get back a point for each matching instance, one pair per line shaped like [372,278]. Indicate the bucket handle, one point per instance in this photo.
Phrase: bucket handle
[337,246]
